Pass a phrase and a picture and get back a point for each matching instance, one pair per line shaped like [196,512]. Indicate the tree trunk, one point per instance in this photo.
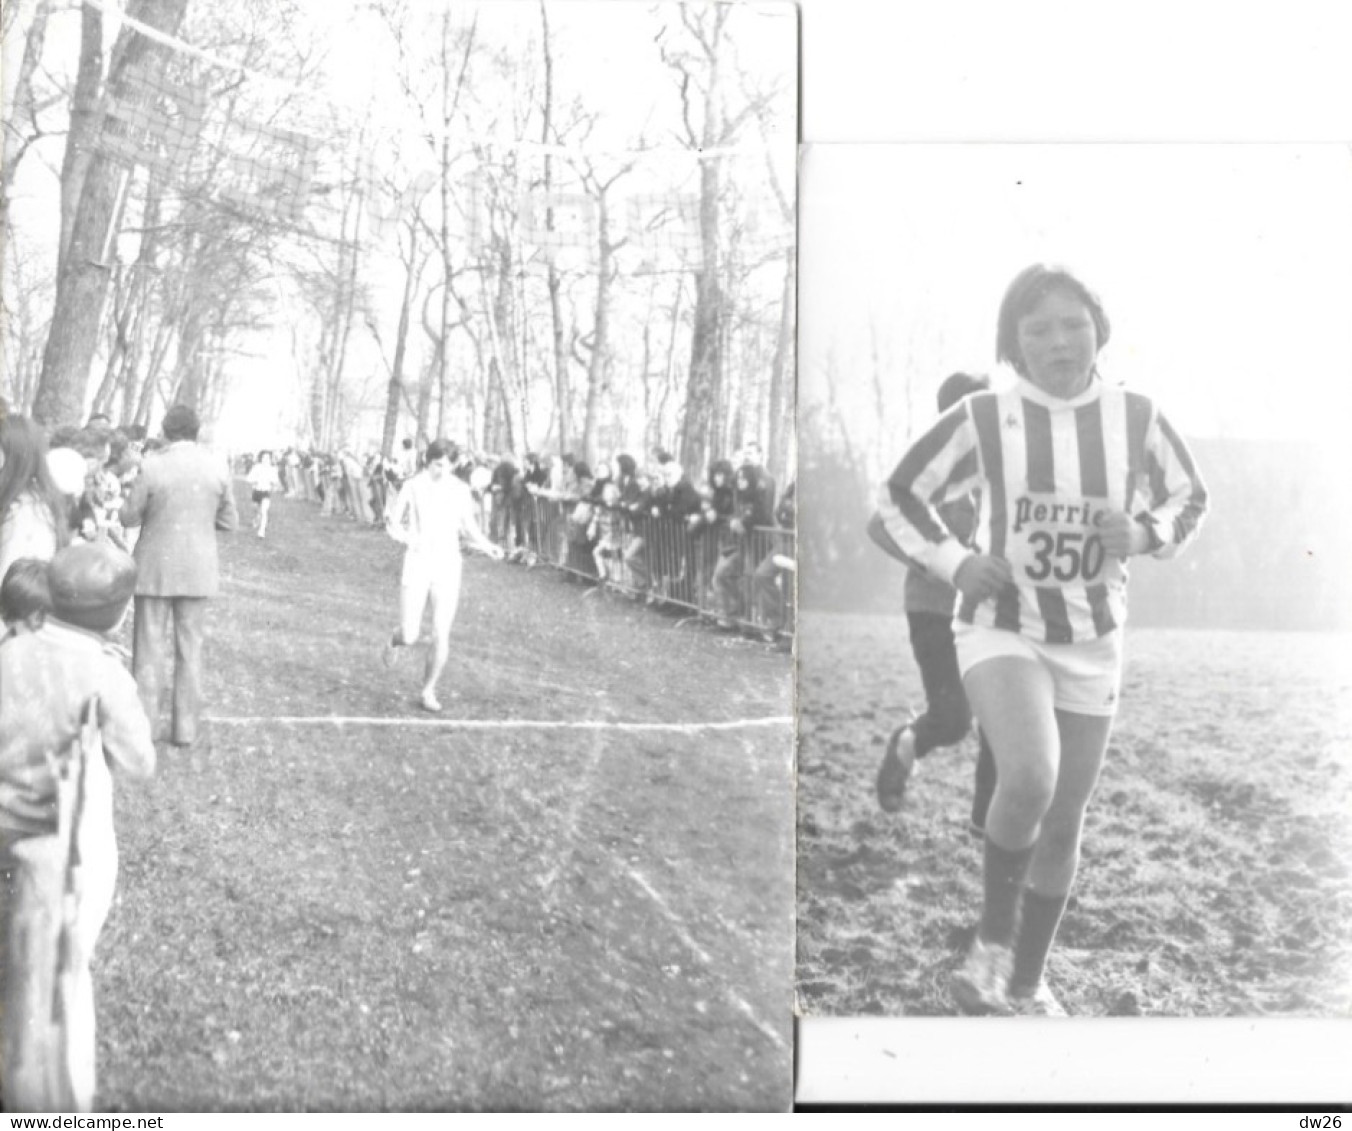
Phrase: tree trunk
[425,398]
[125,385]
[497,412]
[722,440]
[669,371]
[447,268]
[84,125]
[122,320]
[500,320]
[396,386]
[319,384]
[706,344]
[82,284]
[132,341]
[319,387]
[190,339]
[562,393]
[705,374]
[599,363]
[645,369]
[146,402]
[347,298]
[522,390]
[424,410]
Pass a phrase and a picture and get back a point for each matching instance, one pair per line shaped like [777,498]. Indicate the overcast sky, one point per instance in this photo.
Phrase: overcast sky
[1226,272]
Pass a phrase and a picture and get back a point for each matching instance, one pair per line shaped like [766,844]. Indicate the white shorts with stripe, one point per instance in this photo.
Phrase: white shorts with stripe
[1086,676]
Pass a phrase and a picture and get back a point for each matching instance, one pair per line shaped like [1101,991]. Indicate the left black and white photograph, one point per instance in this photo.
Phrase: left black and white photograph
[397,555]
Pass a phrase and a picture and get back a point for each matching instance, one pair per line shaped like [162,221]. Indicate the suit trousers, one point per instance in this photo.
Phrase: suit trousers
[150,660]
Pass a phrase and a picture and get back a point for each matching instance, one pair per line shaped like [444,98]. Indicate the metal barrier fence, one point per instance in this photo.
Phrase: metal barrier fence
[746,580]
[742,579]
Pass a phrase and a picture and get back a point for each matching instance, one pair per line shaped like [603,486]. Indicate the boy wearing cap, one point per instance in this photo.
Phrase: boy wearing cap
[47,677]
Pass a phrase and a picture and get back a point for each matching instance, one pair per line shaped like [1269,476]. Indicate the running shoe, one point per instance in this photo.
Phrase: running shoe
[980,986]
[429,703]
[1041,1002]
[895,770]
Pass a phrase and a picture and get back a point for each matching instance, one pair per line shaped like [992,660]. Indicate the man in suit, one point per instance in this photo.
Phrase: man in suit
[181,498]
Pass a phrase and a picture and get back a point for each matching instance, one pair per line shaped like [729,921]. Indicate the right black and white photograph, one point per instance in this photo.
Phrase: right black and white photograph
[1073,632]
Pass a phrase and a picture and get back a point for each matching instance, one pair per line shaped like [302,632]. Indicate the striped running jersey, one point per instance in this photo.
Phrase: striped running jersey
[1048,470]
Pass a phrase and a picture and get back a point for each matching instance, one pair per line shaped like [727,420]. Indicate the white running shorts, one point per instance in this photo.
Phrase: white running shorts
[1087,675]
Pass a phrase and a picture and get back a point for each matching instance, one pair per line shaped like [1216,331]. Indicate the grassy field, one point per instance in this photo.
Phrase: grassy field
[1216,870]
[322,916]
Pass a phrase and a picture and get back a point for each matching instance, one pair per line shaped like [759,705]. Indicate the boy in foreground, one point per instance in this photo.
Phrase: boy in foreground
[49,677]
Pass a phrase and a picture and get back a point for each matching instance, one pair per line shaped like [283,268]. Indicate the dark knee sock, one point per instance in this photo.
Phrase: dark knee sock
[1041,915]
[1003,878]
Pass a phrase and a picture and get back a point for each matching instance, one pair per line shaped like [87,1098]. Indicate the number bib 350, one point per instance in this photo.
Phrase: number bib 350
[1055,542]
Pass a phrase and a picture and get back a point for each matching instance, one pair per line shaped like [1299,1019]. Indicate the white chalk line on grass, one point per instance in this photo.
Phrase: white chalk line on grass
[678,925]
[501,724]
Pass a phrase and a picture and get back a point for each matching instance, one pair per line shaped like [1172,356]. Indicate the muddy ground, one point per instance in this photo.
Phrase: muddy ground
[1215,878]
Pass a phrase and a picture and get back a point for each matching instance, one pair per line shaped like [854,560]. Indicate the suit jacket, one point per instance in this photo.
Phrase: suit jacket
[181,498]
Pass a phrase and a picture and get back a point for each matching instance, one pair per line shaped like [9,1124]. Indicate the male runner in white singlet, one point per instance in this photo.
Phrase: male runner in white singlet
[432,510]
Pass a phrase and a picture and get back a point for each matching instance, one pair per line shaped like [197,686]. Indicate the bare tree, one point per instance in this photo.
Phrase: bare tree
[85,123]
[699,62]
[780,409]
[560,353]
[413,268]
[21,127]
[28,316]
[83,278]
[452,85]
[600,358]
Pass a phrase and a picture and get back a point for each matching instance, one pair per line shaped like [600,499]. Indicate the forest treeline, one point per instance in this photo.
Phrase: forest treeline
[489,244]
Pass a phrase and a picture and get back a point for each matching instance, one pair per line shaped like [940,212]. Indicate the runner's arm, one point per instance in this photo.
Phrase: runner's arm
[397,519]
[940,467]
[470,527]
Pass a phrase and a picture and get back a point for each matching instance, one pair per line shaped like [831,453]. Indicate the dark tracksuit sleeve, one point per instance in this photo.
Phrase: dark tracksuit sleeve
[941,466]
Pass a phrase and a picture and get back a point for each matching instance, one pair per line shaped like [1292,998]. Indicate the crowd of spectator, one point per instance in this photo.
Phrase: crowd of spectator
[69,485]
[723,548]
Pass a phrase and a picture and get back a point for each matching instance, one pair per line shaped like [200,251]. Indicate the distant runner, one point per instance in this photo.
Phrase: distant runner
[432,510]
[264,481]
